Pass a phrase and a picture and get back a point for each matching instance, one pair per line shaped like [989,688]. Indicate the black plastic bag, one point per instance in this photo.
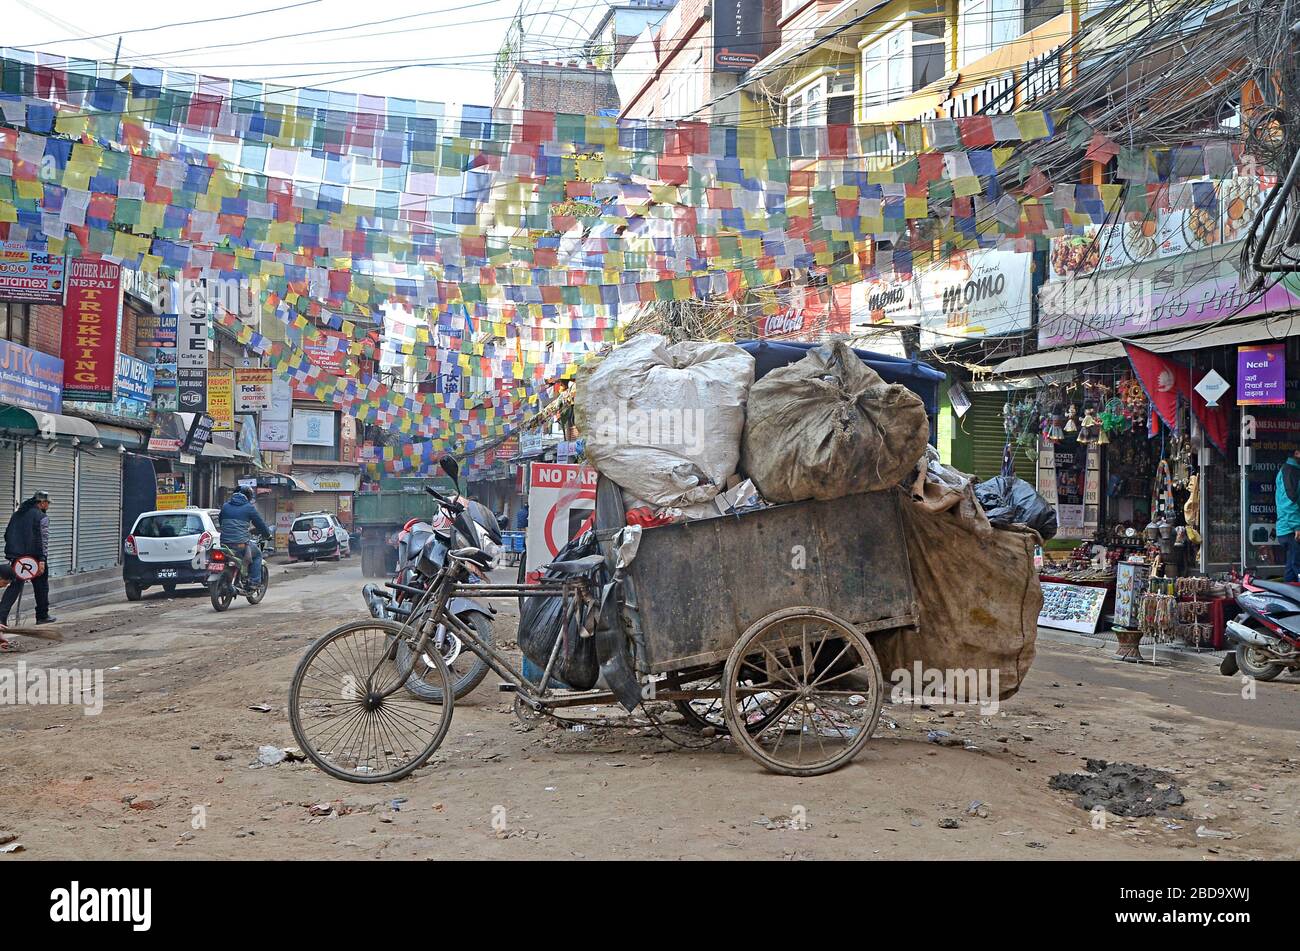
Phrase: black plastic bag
[542,620]
[1009,500]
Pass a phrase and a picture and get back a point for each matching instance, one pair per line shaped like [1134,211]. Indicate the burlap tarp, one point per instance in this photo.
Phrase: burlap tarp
[978,595]
[828,426]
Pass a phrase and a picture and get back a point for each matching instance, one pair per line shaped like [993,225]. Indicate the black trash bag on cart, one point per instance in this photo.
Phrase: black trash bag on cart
[542,620]
[1010,500]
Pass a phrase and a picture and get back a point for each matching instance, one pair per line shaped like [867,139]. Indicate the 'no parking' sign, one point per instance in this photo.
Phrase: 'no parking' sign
[561,502]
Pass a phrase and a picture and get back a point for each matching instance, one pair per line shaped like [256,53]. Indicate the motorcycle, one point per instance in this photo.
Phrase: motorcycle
[422,552]
[228,576]
[1267,633]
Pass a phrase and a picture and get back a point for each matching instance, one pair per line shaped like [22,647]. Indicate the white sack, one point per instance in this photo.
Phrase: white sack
[664,420]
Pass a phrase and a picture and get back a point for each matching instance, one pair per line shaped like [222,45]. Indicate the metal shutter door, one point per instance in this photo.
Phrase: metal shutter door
[99,509]
[53,472]
[988,434]
[8,480]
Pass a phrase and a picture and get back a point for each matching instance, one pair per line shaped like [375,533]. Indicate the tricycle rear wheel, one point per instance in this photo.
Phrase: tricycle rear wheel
[821,673]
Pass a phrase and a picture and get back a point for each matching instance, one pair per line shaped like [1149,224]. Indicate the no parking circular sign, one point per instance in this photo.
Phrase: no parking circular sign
[26,568]
[561,502]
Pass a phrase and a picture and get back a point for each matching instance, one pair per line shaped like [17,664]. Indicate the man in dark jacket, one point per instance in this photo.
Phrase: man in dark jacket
[239,519]
[28,535]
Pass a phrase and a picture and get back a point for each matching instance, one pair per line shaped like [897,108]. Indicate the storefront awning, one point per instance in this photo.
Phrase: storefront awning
[49,425]
[1228,335]
[283,478]
[123,436]
[216,451]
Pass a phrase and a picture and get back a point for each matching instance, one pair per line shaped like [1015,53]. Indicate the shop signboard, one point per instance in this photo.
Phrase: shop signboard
[155,330]
[30,379]
[192,360]
[1198,287]
[809,313]
[168,435]
[91,312]
[975,294]
[561,500]
[132,394]
[221,400]
[135,379]
[253,389]
[739,35]
[1261,374]
[313,427]
[30,276]
[330,481]
[199,435]
[330,358]
[273,423]
[886,300]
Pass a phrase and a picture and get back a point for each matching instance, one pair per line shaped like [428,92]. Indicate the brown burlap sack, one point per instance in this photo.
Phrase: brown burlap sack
[828,426]
[978,595]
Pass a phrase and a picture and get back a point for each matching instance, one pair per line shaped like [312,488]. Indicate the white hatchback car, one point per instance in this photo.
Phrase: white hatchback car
[168,547]
[317,535]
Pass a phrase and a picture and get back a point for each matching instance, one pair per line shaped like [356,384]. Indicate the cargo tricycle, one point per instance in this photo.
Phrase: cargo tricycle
[756,624]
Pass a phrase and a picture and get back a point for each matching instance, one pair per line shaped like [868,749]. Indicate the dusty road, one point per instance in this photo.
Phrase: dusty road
[164,771]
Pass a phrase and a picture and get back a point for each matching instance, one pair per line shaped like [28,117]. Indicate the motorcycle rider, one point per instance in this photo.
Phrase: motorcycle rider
[239,520]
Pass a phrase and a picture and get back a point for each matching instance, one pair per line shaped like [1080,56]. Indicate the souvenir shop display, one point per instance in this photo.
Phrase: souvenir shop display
[1130,586]
[1071,607]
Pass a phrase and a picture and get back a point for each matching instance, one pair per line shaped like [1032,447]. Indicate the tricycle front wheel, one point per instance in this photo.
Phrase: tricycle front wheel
[820,677]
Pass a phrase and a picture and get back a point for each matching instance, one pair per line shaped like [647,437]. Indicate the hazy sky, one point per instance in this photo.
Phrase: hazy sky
[460,39]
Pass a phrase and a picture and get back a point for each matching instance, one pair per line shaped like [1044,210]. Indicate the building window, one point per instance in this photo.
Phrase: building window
[15,321]
[910,58]
[828,100]
[985,25]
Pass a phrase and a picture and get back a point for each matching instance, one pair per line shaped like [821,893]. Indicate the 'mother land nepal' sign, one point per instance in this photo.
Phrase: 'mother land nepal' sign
[91,314]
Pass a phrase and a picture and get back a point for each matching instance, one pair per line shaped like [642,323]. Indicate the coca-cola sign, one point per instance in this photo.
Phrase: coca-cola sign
[784,324]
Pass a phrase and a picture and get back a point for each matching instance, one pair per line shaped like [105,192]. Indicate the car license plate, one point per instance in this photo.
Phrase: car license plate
[166,572]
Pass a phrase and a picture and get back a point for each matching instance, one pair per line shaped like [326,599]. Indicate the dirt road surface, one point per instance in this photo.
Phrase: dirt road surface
[166,770]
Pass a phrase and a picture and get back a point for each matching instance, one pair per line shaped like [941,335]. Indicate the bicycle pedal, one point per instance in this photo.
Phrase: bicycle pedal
[507,688]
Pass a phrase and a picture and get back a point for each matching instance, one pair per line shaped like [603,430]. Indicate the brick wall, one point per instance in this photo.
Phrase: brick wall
[46,333]
[572,89]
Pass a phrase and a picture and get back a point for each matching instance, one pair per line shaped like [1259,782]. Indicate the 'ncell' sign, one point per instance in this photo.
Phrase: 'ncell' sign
[90,318]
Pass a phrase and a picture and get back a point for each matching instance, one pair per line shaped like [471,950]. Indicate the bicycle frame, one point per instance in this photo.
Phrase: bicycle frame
[449,585]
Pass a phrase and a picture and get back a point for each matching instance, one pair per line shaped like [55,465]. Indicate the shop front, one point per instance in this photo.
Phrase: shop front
[1166,354]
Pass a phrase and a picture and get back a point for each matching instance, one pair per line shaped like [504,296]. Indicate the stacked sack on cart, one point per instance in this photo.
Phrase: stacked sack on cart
[688,432]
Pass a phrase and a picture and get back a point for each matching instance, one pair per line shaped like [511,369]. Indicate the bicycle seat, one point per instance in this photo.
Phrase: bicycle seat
[471,554]
[577,566]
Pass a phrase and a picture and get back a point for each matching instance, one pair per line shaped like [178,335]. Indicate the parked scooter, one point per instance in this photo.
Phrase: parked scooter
[422,552]
[228,576]
[1267,634]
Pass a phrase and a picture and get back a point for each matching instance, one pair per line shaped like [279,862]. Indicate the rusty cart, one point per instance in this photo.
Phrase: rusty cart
[758,624]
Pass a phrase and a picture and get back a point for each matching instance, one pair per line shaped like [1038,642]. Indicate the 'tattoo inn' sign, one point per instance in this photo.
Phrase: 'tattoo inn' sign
[91,312]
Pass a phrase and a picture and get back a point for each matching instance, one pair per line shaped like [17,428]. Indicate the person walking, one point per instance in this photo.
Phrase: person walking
[28,536]
[1286,498]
